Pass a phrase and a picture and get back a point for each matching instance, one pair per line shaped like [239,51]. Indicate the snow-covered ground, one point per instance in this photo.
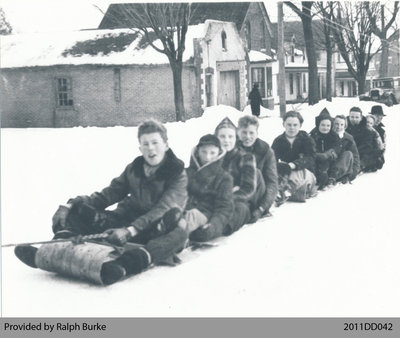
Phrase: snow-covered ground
[335,255]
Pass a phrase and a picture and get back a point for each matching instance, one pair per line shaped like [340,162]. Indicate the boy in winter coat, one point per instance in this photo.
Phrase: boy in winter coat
[365,140]
[377,111]
[149,188]
[327,149]
[248,183]
[348,162]
[265,159]
[295,151]
[210,203]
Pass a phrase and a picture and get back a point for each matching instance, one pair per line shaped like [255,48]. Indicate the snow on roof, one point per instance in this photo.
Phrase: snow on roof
[107,47]
[256,56]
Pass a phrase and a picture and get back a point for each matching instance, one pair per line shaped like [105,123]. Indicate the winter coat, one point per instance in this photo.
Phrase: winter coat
[365,140]
[381,131]
[347,143]
[255,101]
[144,200]
[242,167]
[325,142]
[210,190]
[266,163]
[301,152]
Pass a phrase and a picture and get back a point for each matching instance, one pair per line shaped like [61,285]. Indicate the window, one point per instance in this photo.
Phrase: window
[318,54]
[117,84]
[258,77]
[223,38]
[269,81]
[304,82]
[64,92]
[248,35]
[390,59]
[263,37]
[339,58]
[342,88]
[291,83]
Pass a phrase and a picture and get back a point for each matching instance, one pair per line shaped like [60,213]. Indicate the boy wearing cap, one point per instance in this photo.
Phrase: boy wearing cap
[210,203]
[377,111]
[265,160]
[149,188]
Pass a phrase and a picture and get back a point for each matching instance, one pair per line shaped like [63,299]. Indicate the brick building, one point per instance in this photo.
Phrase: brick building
[111,77]
[251,20]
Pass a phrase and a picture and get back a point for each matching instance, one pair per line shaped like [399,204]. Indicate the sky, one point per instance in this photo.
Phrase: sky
[60,15]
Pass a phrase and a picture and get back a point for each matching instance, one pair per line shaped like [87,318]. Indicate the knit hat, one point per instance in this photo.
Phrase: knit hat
[323,115]
[377,110]
[209,139]
[225,123]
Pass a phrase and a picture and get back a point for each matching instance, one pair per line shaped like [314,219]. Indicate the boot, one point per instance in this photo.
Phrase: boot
[112,272]
[26,254]
[134,261]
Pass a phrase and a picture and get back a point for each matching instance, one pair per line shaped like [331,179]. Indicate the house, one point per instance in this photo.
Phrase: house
[393,56]
[252,22]
[113,77]
[296,62]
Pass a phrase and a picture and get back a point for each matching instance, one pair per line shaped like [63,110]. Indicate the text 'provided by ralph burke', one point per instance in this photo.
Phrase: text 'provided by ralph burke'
[54,327]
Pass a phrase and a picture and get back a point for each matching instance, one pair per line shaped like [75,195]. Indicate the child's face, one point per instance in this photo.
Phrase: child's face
[339,125]
[248,135]
[325,126]
[355,118]
[370,122]
[292,126]
[153,148]
[208,153]
[227,137]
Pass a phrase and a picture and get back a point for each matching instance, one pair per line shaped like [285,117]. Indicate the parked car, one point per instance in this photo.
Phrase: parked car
[385,90]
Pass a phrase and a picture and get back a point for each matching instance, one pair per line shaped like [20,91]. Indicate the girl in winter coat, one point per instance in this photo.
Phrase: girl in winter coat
[248,183]
[327,149]
[210,203]
[348,162]
[295,153]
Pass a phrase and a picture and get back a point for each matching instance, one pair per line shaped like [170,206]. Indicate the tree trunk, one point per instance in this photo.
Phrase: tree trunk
[383,68]
[176,68]
[361,79]
[313,90]
[281,59]
[329,52]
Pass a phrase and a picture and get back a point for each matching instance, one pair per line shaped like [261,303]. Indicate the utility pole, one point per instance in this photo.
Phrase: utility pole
[281,60]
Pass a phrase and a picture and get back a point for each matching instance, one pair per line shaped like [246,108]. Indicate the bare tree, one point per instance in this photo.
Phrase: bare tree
[326,11]
[306,18]
[352,30]
[5,27]
[168,23]
[375,15]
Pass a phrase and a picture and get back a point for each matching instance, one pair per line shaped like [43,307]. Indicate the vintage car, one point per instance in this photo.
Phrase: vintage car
[385,90]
